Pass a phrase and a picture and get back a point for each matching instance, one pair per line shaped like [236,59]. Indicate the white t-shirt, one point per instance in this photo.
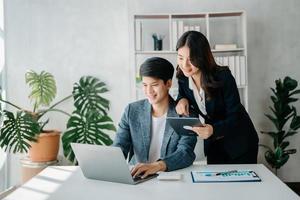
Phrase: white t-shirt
[157,135]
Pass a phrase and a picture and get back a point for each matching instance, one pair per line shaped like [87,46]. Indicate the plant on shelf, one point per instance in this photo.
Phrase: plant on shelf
[282,113]
[24,130]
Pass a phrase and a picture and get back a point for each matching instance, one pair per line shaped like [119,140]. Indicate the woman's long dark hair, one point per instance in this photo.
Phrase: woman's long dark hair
[202,58]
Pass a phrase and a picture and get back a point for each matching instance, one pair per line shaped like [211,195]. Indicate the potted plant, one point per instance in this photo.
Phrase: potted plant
[286,121]
[25,131]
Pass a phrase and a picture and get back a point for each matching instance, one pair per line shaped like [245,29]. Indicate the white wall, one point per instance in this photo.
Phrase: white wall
[74,38]
[68,39]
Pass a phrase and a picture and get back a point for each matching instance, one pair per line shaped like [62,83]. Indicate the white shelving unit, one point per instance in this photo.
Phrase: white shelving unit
[218,27]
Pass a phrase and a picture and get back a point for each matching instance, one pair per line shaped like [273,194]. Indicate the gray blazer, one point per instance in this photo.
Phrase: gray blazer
[134,135]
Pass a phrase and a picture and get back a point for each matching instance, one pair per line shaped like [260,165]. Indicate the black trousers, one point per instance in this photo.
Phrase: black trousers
[216,154]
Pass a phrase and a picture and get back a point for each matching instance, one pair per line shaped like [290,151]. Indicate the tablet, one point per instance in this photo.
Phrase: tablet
[183,125]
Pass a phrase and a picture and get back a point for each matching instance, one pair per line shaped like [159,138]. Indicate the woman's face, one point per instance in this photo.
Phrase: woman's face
[183,61]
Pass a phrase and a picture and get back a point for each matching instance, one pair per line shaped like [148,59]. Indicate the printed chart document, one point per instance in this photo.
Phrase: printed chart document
[226,176]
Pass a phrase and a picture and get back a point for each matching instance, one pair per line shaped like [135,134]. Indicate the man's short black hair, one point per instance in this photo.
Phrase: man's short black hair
[157,67]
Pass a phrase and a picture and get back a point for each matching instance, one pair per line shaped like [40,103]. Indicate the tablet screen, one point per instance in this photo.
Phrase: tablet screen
[183,125]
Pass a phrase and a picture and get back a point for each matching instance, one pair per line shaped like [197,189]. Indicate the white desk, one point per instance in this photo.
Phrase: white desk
[61,183]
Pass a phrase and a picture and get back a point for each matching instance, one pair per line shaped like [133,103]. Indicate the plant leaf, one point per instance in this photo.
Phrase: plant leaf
[294,92]
[87,129]
[270,158]
[87,95]
[17,132]
[278,152]
[282,160]
[295,124]
[290,133]
[284,144]
[290,151]
[43,87]
[290,83]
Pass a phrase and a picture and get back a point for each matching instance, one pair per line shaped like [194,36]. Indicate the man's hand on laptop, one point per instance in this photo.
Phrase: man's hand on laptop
[146,169]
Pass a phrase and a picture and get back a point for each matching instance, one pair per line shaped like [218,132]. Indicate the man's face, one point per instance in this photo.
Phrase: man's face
[155,89]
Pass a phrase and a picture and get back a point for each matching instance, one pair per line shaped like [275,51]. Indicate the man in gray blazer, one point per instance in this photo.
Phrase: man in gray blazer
[143,131]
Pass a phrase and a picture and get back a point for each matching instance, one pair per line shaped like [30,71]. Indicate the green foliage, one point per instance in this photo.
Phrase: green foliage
[87,124]
[88,129]
[282,112]
[17,132]
[87,95]
[89,121]
[43,88]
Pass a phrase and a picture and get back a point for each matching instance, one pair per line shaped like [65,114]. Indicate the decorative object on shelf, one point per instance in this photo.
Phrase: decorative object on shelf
[158,41]
[283,112]
[88,120]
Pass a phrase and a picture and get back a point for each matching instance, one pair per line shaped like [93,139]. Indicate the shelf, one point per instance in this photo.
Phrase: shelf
[228,50]
[227,27]
[175,52]
[183,16]
[155,52]
[226,14]
[151,16]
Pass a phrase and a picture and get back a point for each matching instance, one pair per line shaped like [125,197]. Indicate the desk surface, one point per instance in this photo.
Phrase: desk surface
[68,182]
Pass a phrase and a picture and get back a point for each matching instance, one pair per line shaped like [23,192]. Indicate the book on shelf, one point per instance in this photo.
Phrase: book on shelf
[180,28]
[197,28]
[243,69]
[237,70]
[237,66]
[138,35]
[185,29]
[225,46]
[192,28]
[174,34]
[231,65]
[225,61]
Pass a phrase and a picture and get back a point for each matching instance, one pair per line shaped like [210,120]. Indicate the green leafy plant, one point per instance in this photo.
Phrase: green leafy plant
[282,113]
[89,120]
[87,124]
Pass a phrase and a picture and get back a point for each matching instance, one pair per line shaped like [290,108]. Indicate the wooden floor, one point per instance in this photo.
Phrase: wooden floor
[295,186]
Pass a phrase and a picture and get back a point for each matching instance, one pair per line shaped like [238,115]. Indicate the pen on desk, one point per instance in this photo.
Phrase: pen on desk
[227,172]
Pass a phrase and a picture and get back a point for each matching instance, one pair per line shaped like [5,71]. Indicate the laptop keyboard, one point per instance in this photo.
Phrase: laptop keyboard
[139,177]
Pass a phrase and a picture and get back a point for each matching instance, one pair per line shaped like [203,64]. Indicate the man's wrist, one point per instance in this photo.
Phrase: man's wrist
[162,165]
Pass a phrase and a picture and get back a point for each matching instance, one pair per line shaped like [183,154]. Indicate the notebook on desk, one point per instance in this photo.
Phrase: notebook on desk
[226,176]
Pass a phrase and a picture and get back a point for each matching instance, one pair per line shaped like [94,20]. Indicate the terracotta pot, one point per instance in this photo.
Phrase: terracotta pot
[46,148]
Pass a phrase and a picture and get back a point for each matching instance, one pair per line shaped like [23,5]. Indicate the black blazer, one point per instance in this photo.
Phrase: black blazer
[226,114]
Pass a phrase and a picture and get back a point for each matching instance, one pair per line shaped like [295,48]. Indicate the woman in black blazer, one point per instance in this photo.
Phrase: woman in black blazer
[210,91]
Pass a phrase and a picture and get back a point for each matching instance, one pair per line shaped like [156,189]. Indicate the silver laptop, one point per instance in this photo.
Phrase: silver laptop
[105,163]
